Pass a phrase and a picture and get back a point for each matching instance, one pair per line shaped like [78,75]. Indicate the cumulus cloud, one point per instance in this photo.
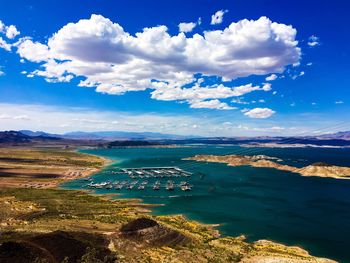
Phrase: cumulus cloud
[259,113]
[218,17]
[113,61]
[187,27]
[266,87]
[313,41]
[10,31]
[271,77]
[33,51]
[197,93]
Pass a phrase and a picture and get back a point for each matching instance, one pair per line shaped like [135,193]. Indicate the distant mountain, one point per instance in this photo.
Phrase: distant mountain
[118,135]
[13,137]
[345,135]
[38,133]
[315,141]
[130,143]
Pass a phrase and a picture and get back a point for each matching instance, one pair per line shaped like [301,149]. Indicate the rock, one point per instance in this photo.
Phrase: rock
[149,232]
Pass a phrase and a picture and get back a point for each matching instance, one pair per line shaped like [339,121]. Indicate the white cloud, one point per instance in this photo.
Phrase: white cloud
[218,17]
[259,113]
[65,119]
[114,61]
[186,27]
[271,77]
[239,101]
[313,41]
[302,73]
[309,64]
[2,73]
[266,87]
[4,44]
[12,32]
[4,116]
[339,102]
[35,52]
[211,104]
[14,117]
[197,94]
[21,117]
[2,27]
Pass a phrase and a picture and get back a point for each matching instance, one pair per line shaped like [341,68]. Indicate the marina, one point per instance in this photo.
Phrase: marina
[135,185]
[144,173]
[152,172]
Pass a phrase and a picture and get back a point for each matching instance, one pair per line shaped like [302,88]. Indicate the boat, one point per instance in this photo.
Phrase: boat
[156,185]
[141,187]
[186,188]
[170,186]
[118,187]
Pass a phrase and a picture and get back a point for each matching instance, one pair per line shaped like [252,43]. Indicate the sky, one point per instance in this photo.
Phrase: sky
[209,68]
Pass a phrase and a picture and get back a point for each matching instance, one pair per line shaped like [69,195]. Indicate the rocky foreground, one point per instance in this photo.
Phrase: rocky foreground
[316,169]
[54,226]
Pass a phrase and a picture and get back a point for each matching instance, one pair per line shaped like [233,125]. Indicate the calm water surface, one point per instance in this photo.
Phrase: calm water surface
[261,203]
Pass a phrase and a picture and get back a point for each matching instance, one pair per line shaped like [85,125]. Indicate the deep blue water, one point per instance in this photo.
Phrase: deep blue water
[261,203]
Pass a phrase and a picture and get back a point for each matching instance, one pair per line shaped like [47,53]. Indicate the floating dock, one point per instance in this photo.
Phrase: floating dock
[130,185]
[154,172]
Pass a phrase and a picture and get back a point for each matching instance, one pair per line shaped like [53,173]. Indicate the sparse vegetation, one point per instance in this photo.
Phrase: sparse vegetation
[43,168]
[89,221]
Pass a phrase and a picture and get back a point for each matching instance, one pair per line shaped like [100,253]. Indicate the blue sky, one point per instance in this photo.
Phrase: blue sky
[104,71]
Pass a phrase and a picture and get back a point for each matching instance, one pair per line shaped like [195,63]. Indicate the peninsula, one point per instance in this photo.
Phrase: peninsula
[315,169]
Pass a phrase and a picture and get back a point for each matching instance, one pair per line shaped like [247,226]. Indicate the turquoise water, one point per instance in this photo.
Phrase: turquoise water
[261,203]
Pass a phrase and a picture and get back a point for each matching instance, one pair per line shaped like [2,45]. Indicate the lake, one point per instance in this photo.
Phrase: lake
[261,203]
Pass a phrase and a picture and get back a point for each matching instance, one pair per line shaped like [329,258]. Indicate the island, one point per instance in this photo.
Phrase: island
[315,169]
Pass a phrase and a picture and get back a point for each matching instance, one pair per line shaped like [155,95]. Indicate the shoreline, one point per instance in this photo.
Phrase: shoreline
[294,145]
[137,201]
[201,234]
[321,170]
[212,227]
